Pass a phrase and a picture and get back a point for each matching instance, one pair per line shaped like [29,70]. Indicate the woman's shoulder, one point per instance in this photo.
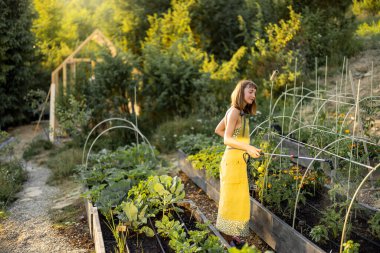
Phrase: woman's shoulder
[234,112]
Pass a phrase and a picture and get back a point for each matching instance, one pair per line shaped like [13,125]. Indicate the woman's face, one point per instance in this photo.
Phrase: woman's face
[249,94]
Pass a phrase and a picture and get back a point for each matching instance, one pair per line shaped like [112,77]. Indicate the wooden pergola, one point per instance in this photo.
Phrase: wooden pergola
[70,64]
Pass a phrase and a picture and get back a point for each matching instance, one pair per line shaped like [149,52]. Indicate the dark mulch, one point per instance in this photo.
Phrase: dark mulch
[78,234]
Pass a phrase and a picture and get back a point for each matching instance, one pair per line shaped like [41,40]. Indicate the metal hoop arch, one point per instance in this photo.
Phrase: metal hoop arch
[111,128]
[351,203]
[106,120]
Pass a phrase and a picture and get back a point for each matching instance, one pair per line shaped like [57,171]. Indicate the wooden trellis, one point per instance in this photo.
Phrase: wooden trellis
[69,64]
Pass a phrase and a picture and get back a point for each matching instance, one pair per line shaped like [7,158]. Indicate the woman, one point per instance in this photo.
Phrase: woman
[234,203]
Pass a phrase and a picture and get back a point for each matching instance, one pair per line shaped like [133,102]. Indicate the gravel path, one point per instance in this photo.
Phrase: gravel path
[28,228]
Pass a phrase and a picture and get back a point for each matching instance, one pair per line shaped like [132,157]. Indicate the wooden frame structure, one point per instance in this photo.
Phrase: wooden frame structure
[70,62]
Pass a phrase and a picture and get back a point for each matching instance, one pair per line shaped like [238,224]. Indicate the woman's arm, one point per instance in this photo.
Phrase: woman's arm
[232,119]
[220,128]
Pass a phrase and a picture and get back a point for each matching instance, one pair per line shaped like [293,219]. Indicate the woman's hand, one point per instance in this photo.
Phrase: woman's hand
[253,151]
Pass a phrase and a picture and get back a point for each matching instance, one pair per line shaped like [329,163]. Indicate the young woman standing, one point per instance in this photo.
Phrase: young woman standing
[234,204]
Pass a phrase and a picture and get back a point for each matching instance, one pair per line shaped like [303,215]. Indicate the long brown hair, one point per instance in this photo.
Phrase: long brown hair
[237,97]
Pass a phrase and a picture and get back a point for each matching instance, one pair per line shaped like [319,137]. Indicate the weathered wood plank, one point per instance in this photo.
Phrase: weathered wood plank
[98,237]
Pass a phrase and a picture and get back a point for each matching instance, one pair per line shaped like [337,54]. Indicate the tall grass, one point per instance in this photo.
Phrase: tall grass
[12,176]
[36,147]
[63,162]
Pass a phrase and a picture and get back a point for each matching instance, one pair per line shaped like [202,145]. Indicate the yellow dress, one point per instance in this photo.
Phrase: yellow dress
[234,202]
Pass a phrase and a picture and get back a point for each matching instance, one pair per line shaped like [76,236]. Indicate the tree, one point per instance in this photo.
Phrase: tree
[327,30]
[371,7]
[172,63]
[47,27]
[17,60]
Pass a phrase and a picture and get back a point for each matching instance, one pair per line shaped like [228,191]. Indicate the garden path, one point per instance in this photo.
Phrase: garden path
[28,228]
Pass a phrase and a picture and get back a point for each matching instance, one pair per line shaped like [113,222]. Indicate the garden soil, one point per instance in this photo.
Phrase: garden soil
[28,227]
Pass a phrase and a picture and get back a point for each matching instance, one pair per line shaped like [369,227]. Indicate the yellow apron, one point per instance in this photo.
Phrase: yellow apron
[234,203]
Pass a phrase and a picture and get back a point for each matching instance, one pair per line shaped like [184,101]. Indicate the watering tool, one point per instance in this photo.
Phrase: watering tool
[302,157]
[247,158]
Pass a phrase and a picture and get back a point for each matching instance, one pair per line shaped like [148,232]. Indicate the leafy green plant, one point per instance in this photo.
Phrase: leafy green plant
[169,228]
[319,233]
[332,220]
[208,159]
[351,247]
[73,117]
[196,241]
[111,196]
[164,191]
[168,133]
[130,163]
[374,225]
[35,99]
[36,147]
[193,143]
[63,164]
[134,215]
[12,176]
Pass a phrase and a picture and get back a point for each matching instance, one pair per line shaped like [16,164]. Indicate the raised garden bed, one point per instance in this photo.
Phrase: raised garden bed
[105,242]
[274,231]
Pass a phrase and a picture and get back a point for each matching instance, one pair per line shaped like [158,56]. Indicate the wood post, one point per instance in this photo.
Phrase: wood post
[52,123]
[64,79]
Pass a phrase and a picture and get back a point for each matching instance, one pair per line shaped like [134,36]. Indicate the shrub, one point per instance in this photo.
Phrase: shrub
[36,147]
[63,163]
[208,159]
[193,143]
[12,176]
[168,133]
[374,223]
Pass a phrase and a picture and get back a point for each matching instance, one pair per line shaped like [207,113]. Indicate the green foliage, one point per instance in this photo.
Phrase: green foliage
[161,192]
[73,117]
[374,225]
[113,87]
[169,228]
[126,21]
[35,99]
[351,247]
[36,147]
[327,30]
[216,25]
[319,233]
[369,29]
[63,163]
[173,80]
[273,53]
[277,180]
[371,7]
[193,143]
[59,26]
[196,241]
[167,134]
[12,176]
[208,159]
[111,196]
[133,214]
[17,61]
[130,163]
[333,219]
